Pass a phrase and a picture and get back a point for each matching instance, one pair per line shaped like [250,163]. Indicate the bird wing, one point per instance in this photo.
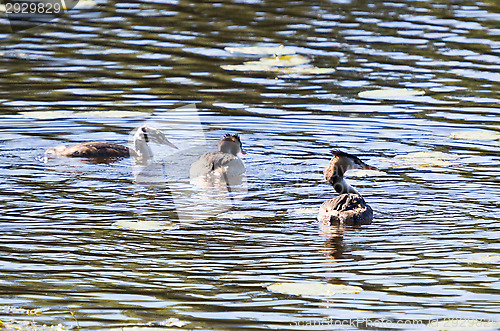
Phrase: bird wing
[97,149]
[217,162]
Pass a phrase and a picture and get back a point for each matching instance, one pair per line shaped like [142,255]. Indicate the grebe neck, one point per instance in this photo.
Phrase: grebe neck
[142,149]
[336,178]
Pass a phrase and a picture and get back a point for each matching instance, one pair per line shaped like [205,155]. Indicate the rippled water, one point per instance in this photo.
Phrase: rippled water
[62,252]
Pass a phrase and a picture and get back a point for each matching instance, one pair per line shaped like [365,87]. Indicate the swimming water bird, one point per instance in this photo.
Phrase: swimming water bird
[223,167]
[349,208]
[103,150]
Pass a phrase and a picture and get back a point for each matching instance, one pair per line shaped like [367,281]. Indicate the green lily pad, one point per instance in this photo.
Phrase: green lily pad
[257,66]
[109,113]
[29,326]
[281,61]
[305,71]
[247,67]
[41,115]
[146,225]
[313,289]
[154,326]
[458,324]
[476,135]
[426,159]
[245,215]
[482,259]
[365,173]
[303,210]
[10,310]
[394,93]
[261,50]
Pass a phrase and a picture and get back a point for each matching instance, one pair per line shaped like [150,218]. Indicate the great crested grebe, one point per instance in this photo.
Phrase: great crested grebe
[223,165]
[141,151]
[349,208]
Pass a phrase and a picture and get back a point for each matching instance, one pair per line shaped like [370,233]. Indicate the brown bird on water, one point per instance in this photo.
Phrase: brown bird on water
[349,208]
[223,166]
[141,151]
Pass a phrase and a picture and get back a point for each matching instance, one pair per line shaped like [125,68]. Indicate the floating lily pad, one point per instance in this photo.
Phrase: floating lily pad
[154,326]
[146,225]
[456,324]
[18,311]
[395,93]
[476,135]
[29,326]
[261,50]
[245,215]
[305,71]
[301,211]
[313,289]
[281,61]
[247,67]
[173,322]
[365,173]
[108,113]
[426,159]
[257,66]
[482,259]
[41,115]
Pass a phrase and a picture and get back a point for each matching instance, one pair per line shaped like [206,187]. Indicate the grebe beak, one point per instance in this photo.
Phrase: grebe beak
[164,141]
[243,152]
[368,167]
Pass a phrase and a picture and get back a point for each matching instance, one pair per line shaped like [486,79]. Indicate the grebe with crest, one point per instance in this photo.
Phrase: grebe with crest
[349,208]
[103,150]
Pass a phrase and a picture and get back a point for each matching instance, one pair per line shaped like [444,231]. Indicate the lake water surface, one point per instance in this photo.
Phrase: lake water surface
[99,73]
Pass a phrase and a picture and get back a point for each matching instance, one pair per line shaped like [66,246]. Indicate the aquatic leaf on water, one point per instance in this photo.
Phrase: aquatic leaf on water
[313,289]
[281,61]
[41,115]
[154,326]
[365,173]
[139,328]
[482,259]
[458,324]
[305,70]
[394,93]
[10,310]
[245,214]
[146,225]
[171,322]
[109,113]
[261,50]
[256,66]
[247,67]
[476,135]
[29,326]
[426,159]
[304,210]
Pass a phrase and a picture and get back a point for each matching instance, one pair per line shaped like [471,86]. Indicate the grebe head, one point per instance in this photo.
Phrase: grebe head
[339,164]
[345,161]
[147,134]
[231,144]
